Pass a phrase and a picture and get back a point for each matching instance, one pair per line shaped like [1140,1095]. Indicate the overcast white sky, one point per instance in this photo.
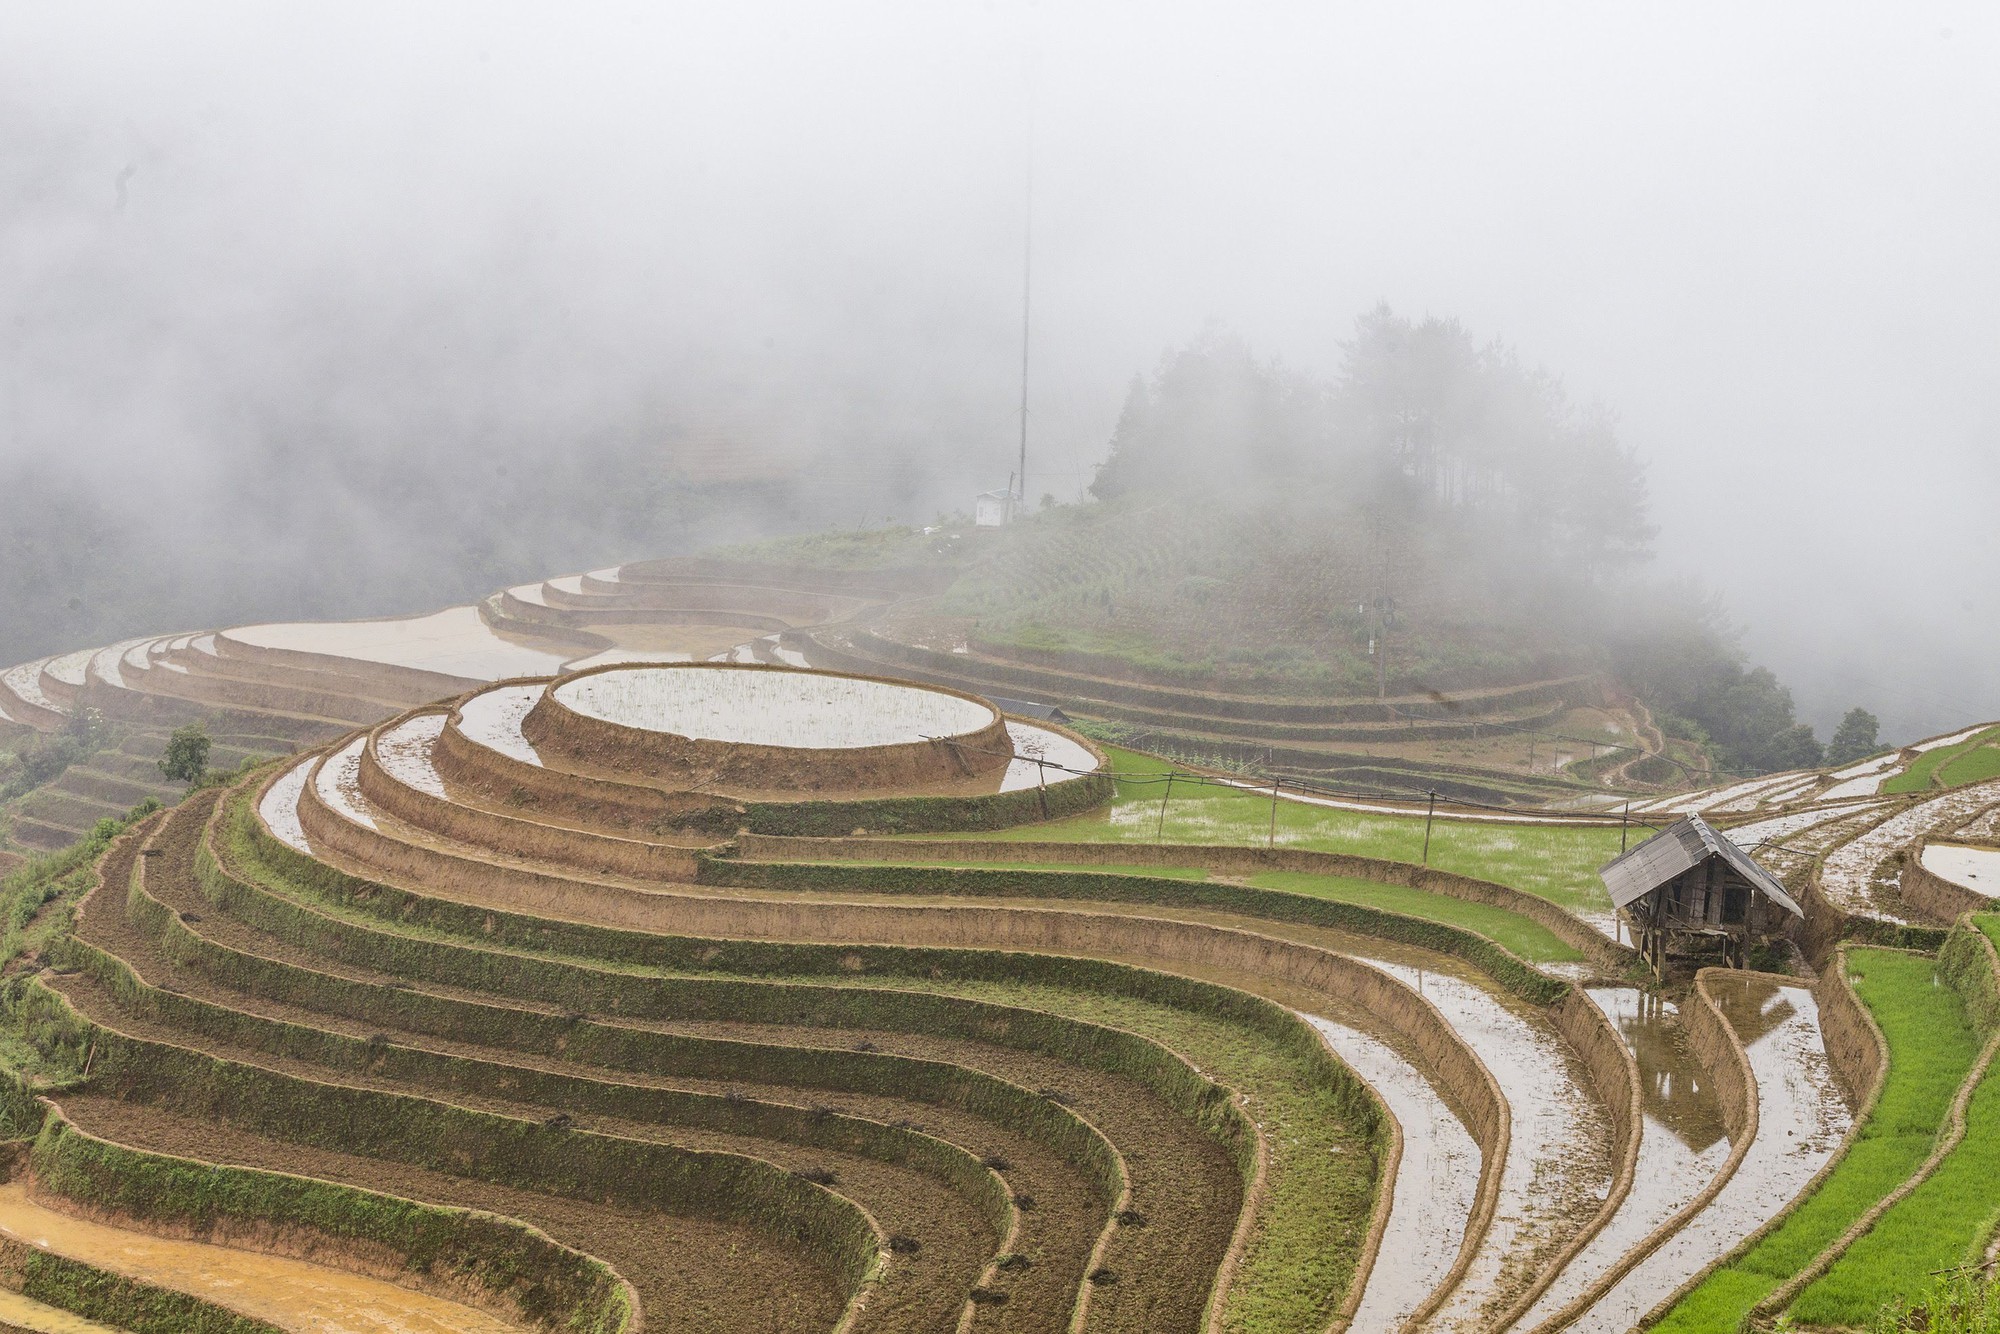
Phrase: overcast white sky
[1762,233]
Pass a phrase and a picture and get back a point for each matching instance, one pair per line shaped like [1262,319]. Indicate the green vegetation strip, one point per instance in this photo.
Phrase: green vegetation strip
[1527,939]
[1324,1169]
[1930,766]
[1942,1224]
[1433,932]
[445,1137]
[1330,1131]
[112,1299]
[1554,861]
[1932,1044]
[558,1288]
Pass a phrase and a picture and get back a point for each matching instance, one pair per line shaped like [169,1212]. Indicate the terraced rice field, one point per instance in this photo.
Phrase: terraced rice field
[468,1012]
[1931,1046]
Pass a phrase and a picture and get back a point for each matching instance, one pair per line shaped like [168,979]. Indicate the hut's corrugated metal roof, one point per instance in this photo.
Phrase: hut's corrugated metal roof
[1684,844]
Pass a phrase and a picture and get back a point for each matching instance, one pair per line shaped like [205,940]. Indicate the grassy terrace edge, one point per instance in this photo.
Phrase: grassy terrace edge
[1814,1231]
[258,864]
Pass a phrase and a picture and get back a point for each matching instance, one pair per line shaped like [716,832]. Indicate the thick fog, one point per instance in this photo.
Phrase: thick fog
[299,292]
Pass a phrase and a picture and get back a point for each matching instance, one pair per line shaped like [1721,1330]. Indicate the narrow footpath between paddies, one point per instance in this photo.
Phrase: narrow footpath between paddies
[292,1294]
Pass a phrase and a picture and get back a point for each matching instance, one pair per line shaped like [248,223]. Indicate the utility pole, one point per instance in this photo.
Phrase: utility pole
[1160,833]
[1027,289]
[1271,841]
[1429,812]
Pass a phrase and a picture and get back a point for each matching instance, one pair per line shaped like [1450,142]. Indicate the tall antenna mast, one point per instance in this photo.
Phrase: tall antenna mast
[1027,288]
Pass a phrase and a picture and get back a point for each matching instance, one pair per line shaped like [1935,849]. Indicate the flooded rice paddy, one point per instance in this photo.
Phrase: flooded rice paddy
[291,1294]
[1682,1142]
[338,783]
[769,708]
[454,642]
[1852,876]
[27,1313]
[279,809]
[492,718]
[1976,869]
[1802,1120]
[1558,1168]
[1436,1183]
[405,753]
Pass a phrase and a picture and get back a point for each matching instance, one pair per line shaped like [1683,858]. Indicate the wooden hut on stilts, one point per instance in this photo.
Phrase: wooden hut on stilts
[1688,887]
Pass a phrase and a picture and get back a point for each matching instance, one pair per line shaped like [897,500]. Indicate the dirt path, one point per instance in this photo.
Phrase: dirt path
[291,1294]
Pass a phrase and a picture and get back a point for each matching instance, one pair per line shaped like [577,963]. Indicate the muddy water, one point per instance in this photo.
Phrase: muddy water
[1854,877]
[1557,1171]
[279,809]
[291,1294]
[27,1313]
[1065,759]
[1682,1142]
[493,719]
[405,753]
[454,641]
[773,708]
[1976,869]
[1436,1181]
[338,783]
[1801,1122]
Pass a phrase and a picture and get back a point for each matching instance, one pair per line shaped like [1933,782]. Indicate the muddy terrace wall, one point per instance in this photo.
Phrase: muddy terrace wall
[443,1136]
[953,1166]
[1227,860]
[605,799]
[1110,887]
[409,684]
[592,799]
[97,1294]
[1064,684]
[881,583]
[496,1264]
[518,836]
[1855,1048]
[1935,895]
[793,606]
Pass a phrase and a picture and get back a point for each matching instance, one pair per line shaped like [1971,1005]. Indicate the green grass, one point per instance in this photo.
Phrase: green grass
[1962,1303]
[1553,861]
[1940,1225]
[1931,1046]
[1529,940]
[1972,766]
[1917,778]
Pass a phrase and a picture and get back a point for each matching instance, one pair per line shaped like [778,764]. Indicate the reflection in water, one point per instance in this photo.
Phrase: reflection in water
[1681,1141]
[1436,1184]
[1801,1122]
[291,1294]
[1556,1172]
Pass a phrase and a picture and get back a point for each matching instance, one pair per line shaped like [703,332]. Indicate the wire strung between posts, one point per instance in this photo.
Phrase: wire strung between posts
[1186,778]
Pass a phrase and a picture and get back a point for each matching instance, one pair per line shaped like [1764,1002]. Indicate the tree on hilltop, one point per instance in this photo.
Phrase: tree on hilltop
[1855,737]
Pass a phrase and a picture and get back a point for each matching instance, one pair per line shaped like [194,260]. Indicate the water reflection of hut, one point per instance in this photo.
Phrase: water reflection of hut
[1688,888]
